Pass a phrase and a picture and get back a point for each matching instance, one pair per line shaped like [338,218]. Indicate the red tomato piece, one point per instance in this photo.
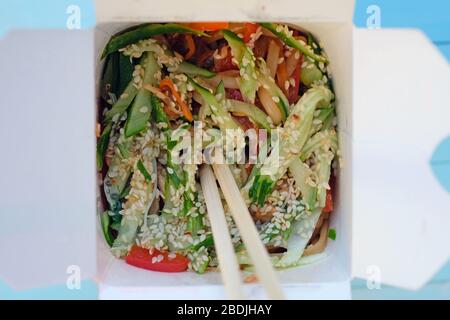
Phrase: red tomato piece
[209,26]
[249,29]
[141,258]
[328,203]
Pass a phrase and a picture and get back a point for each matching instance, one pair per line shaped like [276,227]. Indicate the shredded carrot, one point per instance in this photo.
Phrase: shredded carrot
[168,83]
[191,47]
[170,113]
[282,76]
[208,26]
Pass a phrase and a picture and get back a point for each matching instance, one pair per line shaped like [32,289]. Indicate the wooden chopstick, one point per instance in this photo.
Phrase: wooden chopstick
[255,248]
[229,266]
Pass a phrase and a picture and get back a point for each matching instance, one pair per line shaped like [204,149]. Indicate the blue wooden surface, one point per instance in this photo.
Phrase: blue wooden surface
[433,17]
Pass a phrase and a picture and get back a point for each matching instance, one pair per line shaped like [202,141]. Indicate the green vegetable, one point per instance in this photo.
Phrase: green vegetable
[251,111]
[115,226]
[199,260]
[220,90]
[328,122]
[289,40]
[195,223]
[141,109]
[208,242]
[332,234]
[150,45]
[124,152]
[302,174]
[248,83]
[105,222]
[102,146]
[296,131]
[144,171]
[220,95]
[161,117]
[110,76]
[117,178]
[127,235]
[158,112]
[125,191]
[126,69]
[310,74]
[118,75]
[203,266]
[324,144]
[324,159]
[174,175]
[122,104]
[301,233]
[325,117]
[321,140]
[193,70]
[139,114]
[224,119]
[143,32]
[133,215]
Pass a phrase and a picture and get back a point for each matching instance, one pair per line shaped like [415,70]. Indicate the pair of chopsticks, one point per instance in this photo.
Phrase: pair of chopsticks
[229,266]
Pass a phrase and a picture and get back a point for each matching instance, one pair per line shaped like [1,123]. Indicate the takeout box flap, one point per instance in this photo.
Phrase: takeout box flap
[401,212]
[231,10]
[48,195]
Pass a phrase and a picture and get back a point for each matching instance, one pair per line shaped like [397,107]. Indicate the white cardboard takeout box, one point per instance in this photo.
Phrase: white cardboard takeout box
[391,214]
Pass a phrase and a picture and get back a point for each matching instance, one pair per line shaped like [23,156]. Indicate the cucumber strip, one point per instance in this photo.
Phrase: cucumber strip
[310,74]
[324,118]
[122,104]
[295,133]
[251,111]
[208,242]
[193,70]
[223,118]
[135,209]
[141,109]
[248,83]
[283,33]
[117,178]
[220,91]
[326,139]
[302,232]
[302,174]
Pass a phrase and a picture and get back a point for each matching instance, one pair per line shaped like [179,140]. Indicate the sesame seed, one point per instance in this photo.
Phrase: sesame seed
[292,82]
[143,109]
